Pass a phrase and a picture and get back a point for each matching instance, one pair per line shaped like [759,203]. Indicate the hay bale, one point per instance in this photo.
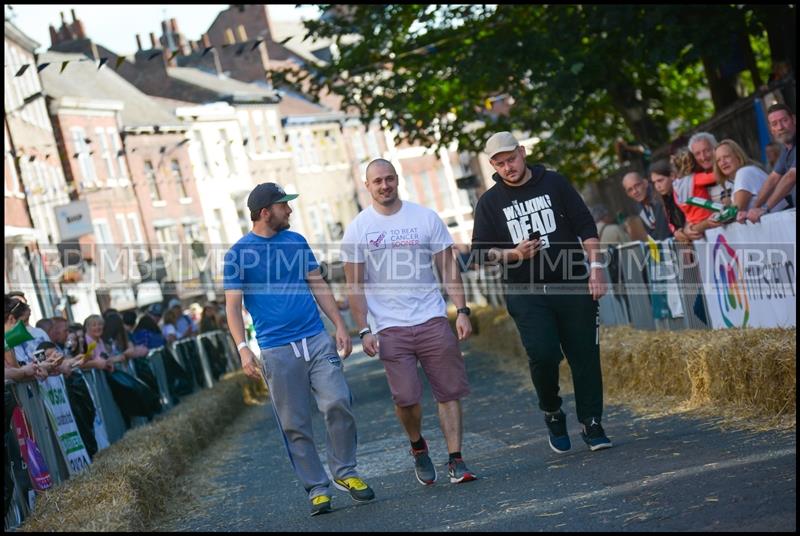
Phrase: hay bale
[750,370]
[128,483]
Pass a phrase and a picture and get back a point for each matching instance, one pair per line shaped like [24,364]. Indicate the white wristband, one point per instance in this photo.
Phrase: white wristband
[596,264]
[241,345]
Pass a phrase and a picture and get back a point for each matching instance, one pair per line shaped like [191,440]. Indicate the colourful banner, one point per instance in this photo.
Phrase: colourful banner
[750,272]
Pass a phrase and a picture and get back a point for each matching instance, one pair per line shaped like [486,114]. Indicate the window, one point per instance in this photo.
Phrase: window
[200,147]
[427,198]
[444,189]
[150,175]
[137,229]
[123,227]
[105,153]
[85,163]
[120,154]
[178,176]
[226,144]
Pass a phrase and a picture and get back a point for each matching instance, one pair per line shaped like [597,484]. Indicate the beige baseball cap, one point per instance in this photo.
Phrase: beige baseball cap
[500,143]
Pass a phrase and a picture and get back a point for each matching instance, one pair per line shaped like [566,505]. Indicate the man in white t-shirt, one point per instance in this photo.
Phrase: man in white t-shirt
[389,251]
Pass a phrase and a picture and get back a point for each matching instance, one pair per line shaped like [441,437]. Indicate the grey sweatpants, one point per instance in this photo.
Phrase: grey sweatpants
[294,373]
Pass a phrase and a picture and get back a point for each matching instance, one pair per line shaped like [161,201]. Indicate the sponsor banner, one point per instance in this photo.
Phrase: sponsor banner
[749,272]
[57,404]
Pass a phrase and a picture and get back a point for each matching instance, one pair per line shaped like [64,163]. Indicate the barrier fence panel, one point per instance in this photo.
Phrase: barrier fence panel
[181,352]
[109,411]
[32,405]
[204,358]
[233,354]
[156,359]
[633,270]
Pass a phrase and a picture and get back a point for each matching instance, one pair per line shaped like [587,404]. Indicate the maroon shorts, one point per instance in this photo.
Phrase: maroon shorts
[435,346]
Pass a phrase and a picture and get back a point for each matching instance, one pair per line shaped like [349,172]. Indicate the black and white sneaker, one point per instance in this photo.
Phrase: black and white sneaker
[557,430]
[594,436]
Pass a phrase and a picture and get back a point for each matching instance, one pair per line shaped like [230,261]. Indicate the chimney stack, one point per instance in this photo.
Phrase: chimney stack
[74,18]
[53,36]
[138,42]
[174,25]
[153,40]
[206,40]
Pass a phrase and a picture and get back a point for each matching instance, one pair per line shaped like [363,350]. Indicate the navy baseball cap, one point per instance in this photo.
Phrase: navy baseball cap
[266,194]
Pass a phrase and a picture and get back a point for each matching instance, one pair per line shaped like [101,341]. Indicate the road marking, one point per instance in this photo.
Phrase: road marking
[538,507]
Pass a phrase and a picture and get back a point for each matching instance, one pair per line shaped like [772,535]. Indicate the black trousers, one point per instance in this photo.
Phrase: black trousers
[552,326]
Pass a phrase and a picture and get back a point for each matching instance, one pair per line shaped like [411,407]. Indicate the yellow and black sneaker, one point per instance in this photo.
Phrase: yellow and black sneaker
[321,504]
[357,488]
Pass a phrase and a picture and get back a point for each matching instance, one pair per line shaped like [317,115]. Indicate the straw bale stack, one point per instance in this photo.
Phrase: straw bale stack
[128,483]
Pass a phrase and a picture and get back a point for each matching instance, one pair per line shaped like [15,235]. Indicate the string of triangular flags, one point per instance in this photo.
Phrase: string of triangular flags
[253,44]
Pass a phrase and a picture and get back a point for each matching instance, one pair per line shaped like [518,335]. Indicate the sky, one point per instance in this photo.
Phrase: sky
[115,26]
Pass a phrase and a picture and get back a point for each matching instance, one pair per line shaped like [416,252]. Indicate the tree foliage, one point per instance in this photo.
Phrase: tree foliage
[575,76]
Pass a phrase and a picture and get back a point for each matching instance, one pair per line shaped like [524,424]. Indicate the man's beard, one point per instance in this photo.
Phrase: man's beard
[278,226]
[784,138]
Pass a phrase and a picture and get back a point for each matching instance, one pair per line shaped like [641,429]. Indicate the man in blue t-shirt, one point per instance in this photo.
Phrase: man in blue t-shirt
[275,271]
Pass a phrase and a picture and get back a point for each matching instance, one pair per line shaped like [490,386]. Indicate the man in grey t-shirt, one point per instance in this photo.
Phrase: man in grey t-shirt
[781,182]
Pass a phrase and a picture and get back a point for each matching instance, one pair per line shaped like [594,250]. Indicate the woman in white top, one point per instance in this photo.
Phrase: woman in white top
[731,163]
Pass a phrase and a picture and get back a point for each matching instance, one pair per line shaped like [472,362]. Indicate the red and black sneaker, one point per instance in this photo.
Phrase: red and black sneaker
[458,471]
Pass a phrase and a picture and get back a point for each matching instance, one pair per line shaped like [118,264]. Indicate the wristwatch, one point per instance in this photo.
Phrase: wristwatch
[463,310]
[364,332]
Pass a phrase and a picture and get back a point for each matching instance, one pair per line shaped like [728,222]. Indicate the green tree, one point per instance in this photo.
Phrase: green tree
[576,77]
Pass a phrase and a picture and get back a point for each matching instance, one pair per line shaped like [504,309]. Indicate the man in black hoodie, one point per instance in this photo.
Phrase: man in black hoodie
[535,225]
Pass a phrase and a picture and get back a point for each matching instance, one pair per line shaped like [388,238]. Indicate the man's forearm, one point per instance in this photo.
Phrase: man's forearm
[767,189]
[324,296]
[235,322]
[783,188]
[592,248]
[448,268]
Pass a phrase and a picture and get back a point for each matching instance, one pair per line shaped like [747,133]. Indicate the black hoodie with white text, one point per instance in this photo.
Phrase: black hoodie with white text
[547,203]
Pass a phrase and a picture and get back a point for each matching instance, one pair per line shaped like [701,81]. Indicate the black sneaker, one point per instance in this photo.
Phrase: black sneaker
[557,428]
[458,472]
[423,466]
[594,436]
[358,489]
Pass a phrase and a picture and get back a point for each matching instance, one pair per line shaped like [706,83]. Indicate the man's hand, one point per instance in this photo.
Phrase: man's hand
[463,327]
[249,363]
[343,342]
[528,248]
[755,213]
[370,344]
[597,283]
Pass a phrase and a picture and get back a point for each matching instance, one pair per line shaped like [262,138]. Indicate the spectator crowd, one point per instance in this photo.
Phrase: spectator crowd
[717,171]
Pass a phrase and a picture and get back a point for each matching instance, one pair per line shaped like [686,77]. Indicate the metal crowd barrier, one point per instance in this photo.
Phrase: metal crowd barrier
[629,300]
[193,354]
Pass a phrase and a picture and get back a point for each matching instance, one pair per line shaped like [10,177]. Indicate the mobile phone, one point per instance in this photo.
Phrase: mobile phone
[39,356]
[536,235]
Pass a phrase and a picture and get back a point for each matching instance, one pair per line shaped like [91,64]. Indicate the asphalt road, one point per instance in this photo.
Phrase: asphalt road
[673,473]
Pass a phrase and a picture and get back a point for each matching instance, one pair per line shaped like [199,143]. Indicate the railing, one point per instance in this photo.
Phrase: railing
[204,358]
[635,280]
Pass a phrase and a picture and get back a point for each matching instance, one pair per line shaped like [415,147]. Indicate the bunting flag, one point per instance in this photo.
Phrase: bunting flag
[242,47]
